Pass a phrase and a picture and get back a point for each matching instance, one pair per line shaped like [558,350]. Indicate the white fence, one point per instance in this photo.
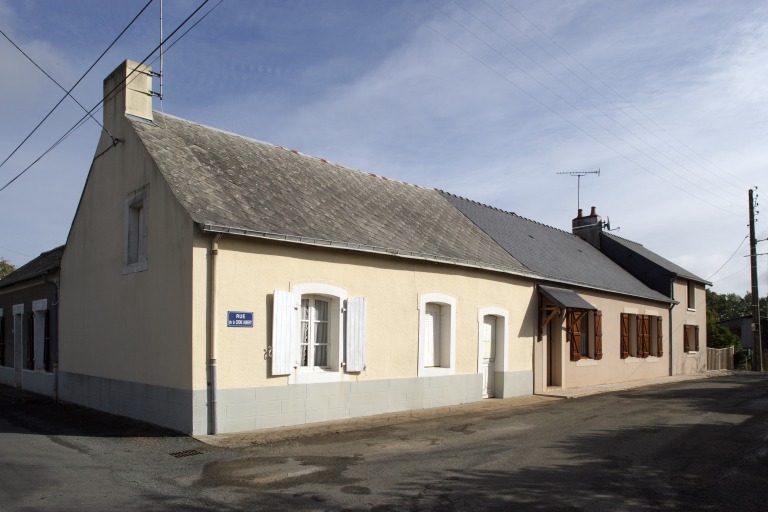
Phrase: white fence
[720,358]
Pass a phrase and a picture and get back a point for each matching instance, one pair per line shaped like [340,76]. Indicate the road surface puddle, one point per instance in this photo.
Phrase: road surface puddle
[275,471]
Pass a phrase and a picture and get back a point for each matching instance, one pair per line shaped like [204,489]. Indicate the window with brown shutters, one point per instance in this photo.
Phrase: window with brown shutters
[624,335]
[584,334]
[598,335]
[691,338]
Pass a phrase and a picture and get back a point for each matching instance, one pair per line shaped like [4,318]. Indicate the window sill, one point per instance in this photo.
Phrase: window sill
[132,268]
[692,353]
[691,310]
[314,375]
[586,362]
[434,371]
[633,360]
[27,370]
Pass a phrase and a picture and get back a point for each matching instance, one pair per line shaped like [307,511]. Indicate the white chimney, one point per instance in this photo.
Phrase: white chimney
[127,90]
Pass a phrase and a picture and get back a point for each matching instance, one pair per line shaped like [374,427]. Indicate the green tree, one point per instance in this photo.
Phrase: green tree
[728,306]
[5,267]
[719,336]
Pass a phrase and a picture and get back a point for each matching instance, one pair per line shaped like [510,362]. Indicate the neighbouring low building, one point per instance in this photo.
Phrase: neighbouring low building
[29,301]
[214,283]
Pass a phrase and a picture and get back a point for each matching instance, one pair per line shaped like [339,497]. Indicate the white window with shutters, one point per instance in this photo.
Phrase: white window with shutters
[437,334]
[318,333]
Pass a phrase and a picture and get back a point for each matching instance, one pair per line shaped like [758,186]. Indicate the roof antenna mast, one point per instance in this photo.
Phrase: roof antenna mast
[578,175]
[160,74]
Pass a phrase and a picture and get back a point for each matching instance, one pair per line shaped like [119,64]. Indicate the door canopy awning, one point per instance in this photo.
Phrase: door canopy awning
[565,299]
[555,301]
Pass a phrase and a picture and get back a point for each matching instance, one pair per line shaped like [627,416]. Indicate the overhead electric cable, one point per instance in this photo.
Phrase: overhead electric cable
[66,92]
[620,96]
[729,259]
[583,130]
[69,92]
[118,85]
[166,50]
[717,189]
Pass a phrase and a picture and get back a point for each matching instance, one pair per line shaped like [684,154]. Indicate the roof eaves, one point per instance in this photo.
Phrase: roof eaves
[673,273]
[317,242]
[557,280]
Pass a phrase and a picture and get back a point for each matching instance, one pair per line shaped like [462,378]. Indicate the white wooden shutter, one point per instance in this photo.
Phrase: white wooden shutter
[283,319]
[356,307]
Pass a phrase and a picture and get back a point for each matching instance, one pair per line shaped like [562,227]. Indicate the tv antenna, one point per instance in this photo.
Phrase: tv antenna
[578,175]
[160,74]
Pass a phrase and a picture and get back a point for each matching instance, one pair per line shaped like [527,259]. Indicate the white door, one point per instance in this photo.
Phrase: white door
[488,354]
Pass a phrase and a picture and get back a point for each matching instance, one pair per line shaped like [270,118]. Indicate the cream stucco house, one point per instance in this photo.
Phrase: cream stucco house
[213,283]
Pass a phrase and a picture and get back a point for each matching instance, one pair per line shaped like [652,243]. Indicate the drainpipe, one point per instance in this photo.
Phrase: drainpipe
[55,347]
[212,337]
[671,326]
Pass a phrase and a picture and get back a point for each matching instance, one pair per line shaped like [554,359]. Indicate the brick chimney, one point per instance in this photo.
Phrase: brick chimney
[127,90]
[588,227]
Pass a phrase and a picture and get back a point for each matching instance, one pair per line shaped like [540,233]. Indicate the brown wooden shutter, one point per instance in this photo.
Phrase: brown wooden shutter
[624,335]
[646,336]
[659,337]
[573,329]
[697,337]
[686,338]
[598,335]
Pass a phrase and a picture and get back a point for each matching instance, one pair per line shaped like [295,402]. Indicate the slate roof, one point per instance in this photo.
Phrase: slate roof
[655,258]
[231,183]
[47,262]
[555,254]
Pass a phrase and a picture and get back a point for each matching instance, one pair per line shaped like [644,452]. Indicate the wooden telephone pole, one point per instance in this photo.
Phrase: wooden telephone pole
[757,358]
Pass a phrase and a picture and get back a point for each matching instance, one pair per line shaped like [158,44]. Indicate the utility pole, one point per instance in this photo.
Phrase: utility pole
[757,358]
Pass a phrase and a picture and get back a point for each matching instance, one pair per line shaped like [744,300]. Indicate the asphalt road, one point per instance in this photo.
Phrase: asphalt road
[696,445]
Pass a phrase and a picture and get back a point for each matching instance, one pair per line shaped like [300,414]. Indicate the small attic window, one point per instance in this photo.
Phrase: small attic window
[135,259]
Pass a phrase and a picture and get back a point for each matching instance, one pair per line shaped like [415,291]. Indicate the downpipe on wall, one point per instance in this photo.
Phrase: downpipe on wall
[212,404]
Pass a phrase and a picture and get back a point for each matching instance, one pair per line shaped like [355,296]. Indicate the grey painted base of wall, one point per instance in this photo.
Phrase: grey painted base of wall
[247,409]
[267,407]
[167,407]
[509,384]
[36,382]
[7,376]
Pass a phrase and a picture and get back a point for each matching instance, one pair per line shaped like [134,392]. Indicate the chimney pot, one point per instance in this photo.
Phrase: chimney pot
[581,214]
[593,212]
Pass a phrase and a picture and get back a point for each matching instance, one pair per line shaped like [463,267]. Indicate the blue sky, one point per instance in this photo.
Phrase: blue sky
[486,99]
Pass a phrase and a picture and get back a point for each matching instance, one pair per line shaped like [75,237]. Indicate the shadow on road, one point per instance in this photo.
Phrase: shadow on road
[42,415]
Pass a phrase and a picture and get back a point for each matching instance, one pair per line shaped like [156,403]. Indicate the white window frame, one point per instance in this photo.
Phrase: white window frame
[18,336]
[139,197]
[690,295]
[502,337]
[2,334]
[334,371]
[448,335]
[38,307]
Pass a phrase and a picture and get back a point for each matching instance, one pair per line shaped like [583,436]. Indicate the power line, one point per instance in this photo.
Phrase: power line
[69,92]
[166,50]
[118,85]
[698,177]
[572,123]
[620,96]
[729,259]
